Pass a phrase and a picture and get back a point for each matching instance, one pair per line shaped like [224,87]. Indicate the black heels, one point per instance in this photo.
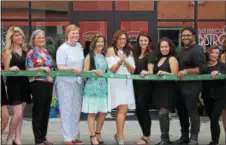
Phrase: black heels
[91,140]
[100,141]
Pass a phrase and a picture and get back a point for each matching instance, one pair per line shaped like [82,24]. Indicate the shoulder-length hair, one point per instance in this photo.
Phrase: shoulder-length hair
[33,35]
[94,42]
[127,47]
[9,37]
[138,48]
[210,49]
[172,47]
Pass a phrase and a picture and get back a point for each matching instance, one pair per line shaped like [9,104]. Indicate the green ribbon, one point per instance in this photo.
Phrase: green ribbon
[116,76]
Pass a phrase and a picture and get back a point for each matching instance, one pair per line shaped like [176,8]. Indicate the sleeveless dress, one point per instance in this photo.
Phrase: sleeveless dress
[95,97]
[18,88]
[163,90]
[120,91]
[4,100]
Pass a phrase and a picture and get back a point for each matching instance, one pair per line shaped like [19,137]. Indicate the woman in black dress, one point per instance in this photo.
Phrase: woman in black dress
[17,87]
[163,91]
[142,88]
[4,107]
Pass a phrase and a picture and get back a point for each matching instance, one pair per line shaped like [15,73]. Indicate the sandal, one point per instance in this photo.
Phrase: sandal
[142,141]
[100,141]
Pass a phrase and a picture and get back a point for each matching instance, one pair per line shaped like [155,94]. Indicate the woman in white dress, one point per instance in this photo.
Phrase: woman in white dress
[121,93]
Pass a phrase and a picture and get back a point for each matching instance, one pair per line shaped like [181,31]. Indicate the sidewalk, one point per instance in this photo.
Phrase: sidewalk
[132,132]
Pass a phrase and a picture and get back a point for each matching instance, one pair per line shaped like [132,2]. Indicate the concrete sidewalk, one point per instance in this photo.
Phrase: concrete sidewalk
[132,132]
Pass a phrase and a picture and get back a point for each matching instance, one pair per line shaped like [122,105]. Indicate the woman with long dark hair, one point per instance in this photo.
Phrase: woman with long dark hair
[121,93]
[142,89]
[164,91]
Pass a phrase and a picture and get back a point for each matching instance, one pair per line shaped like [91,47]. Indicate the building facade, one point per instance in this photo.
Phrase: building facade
[159,18]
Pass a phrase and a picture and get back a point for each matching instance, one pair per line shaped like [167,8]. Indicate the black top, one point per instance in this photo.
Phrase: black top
[192,57]
[141,87]
[164,67]
[214,89]
[18,61]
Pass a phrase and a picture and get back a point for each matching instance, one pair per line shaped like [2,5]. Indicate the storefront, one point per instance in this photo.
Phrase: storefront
[163,18]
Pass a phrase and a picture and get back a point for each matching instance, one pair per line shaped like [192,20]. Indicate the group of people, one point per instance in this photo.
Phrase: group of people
[97,96]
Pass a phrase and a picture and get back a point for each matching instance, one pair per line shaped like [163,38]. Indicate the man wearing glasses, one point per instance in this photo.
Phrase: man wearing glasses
[191,61]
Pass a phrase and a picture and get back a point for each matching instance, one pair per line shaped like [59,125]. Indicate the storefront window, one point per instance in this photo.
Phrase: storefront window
[52,29]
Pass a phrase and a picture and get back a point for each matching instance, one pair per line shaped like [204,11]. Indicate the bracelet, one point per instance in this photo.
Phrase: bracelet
[119,63]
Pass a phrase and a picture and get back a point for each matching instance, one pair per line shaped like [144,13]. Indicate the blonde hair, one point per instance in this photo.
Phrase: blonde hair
[70,28]
[36,32]
[9,38]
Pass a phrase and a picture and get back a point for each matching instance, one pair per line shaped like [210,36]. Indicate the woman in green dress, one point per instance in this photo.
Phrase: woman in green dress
[95,92]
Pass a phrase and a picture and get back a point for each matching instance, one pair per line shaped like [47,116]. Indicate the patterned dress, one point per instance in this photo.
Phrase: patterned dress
[96,89]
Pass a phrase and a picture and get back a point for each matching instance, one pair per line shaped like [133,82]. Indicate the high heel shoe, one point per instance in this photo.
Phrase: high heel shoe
[118,140]
[100,141]
[91,140]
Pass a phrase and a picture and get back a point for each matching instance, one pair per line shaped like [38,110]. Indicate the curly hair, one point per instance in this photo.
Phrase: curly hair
[127,48]
[172,47]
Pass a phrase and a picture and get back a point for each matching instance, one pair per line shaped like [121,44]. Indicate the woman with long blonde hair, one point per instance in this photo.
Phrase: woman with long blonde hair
[17,87]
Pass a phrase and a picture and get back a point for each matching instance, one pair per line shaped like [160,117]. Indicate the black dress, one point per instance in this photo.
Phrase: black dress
[163,91]
[4,100]
[18,88]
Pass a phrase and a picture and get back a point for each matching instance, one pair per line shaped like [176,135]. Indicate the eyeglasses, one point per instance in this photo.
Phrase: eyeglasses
[122,39]
[186,35]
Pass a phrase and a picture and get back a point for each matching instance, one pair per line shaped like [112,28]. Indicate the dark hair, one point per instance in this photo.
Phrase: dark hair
[127,48]
[189,29]
[138,48]
[210,49]
[49,41]
[172,48]
[87,46]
